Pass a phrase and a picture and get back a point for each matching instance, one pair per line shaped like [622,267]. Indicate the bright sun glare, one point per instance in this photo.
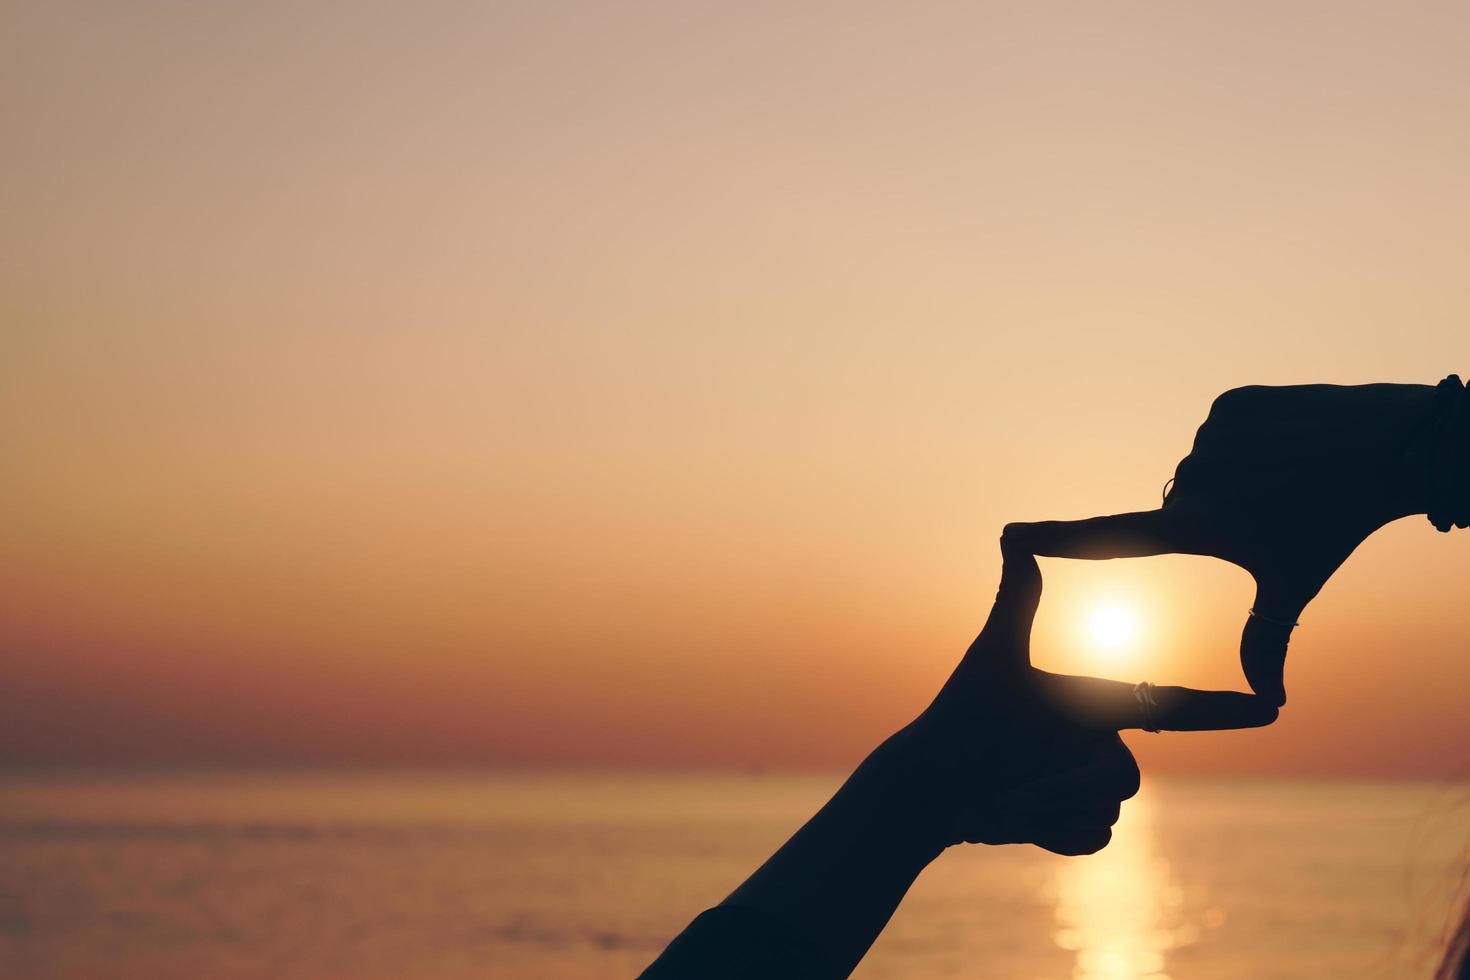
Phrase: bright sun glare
[1111,627]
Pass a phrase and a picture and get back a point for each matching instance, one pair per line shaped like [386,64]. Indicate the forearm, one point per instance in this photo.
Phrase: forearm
[816,905]
[960,772]
[839,878]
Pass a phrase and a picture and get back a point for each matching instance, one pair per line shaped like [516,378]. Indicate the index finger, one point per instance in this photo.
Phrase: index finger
[1134,535]
[1100,704]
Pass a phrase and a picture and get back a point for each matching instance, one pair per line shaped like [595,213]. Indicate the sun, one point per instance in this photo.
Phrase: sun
[1111,627]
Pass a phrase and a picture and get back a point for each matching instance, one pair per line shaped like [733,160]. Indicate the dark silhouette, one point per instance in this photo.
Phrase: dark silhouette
[1285,482]
[1005,753]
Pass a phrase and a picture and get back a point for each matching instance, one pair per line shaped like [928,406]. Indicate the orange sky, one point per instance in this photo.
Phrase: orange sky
[647,384]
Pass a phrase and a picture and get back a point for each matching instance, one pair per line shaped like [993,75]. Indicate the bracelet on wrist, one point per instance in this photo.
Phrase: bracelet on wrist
[1449,461]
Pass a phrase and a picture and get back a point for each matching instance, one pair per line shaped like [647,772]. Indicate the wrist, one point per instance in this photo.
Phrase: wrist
[1449,476]
[1435,475]
[937,772]
[907,785]
[1420,416]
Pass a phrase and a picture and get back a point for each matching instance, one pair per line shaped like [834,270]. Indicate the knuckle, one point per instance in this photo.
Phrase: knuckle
[1016,532]
[1234,399]
[1129,780]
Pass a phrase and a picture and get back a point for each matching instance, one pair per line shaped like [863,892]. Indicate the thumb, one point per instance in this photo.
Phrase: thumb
[1264,640]
[1016,602]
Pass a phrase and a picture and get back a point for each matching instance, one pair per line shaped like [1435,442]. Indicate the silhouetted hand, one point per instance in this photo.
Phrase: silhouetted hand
[1284,482]
[1019,755]
[1005,753]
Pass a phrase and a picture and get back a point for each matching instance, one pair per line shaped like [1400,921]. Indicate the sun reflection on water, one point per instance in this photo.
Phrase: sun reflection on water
[1121,910]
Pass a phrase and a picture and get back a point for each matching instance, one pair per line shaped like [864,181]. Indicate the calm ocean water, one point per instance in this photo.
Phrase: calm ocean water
[579,876]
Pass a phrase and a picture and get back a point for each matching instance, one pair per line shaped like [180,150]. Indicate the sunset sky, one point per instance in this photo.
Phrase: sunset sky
[646,384]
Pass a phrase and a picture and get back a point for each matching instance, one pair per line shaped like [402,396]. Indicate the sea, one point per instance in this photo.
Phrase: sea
[564,876]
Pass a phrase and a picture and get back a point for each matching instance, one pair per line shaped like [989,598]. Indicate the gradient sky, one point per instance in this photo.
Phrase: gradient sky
[647,383]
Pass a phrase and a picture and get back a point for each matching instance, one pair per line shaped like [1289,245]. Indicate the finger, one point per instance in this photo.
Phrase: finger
[1149,532]
[1110,778]
[1078,831]
[1093,702]
[1009,627]
[1094,807]
[1264,640]
[1073,841]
